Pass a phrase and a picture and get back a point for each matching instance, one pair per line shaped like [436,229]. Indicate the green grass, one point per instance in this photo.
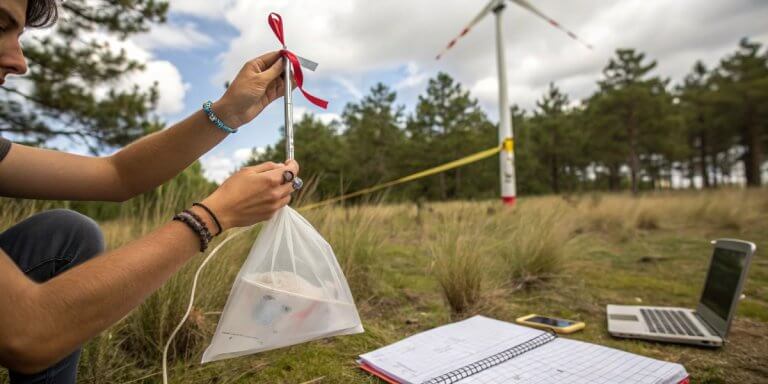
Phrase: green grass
[572,257]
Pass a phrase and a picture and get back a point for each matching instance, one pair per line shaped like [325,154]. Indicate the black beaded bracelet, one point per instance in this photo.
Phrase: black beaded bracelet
[206,231]
[195,226]
[213,216]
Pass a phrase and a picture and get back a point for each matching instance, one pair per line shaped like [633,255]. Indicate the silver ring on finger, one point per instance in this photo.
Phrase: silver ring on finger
[288,176]
[297,183]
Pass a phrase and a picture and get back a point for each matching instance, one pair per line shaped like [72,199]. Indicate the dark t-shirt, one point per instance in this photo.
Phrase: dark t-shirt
[5,146]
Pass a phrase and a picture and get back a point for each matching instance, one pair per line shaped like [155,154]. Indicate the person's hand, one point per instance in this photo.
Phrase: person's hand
[257,84]
[252,194]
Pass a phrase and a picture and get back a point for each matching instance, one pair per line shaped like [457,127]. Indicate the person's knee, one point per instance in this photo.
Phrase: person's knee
[84,235]
[48,243]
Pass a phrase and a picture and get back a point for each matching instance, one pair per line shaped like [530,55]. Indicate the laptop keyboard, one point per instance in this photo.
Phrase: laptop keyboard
[669,322]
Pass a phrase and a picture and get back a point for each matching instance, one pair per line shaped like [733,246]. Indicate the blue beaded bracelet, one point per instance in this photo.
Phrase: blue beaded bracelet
[207,108]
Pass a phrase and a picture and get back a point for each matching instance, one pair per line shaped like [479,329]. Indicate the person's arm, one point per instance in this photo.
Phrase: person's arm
[148,162]
[40,323]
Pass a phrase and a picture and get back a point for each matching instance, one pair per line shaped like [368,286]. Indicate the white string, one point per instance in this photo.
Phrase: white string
[229,237]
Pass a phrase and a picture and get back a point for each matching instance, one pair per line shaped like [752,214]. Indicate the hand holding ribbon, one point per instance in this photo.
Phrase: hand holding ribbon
[276,23]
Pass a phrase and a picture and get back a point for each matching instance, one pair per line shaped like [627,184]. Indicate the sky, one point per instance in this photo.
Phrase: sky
[360,43]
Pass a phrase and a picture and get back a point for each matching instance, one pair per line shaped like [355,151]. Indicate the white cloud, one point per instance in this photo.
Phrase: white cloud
[173,36]
[170,85]
[359,39]
[218,167]
[485,89]
[414,77]
[328,117]
[325,117]
[349,86]
[243,154]
[201,8]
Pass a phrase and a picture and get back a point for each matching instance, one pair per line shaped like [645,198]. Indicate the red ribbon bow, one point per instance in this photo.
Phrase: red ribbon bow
[276,23]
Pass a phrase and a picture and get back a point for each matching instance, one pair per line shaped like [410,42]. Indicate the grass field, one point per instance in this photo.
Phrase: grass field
[413,268]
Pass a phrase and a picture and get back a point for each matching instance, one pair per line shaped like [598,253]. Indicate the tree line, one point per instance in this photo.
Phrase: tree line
[635,132]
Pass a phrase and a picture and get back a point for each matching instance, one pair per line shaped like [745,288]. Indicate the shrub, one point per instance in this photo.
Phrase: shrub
[532,243]
[647,219]
[459,263]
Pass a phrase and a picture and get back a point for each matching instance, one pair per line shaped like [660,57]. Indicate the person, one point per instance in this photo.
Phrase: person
[58,285]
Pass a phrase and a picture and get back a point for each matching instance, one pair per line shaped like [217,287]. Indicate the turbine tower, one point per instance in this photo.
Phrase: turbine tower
[506,135]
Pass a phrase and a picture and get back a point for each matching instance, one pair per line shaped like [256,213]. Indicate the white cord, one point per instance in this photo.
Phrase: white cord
[229,237]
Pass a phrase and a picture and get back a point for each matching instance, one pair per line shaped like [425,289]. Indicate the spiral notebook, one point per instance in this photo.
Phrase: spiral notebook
[481,350]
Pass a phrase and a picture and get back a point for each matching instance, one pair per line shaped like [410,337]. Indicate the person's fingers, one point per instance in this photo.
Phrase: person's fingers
[263,167]
[274,71]
[276,175]
[264,61]
[279,91]
[293,166]
[282,202]
[275,89]
[284,190]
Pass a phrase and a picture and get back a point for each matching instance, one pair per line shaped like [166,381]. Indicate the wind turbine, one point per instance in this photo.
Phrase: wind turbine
[506,138]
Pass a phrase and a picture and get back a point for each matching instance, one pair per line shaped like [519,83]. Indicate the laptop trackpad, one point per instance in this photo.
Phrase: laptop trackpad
[623,317]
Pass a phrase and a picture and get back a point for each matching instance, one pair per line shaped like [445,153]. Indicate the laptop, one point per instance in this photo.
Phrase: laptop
[709,323]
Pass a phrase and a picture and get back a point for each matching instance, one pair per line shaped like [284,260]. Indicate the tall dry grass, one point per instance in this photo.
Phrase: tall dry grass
[356,235]
[532,241]
[481,245]
[473,248]
[459,253]
[623,214]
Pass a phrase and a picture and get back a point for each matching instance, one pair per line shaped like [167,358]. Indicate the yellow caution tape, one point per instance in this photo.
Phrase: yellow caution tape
[440,168]
[509,145]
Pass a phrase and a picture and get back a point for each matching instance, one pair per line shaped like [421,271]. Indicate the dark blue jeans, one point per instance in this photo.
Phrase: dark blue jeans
[43,246]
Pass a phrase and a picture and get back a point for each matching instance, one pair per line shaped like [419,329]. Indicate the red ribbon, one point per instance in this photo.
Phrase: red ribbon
[276,23]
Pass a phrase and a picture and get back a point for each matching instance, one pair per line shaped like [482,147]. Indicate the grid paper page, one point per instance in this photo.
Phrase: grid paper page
[443,349]
[575,362]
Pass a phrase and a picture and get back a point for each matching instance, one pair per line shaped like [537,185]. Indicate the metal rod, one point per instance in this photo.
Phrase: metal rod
[506,157]
[288,102]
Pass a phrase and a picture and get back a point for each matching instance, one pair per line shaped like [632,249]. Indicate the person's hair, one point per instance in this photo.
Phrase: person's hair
[42,13]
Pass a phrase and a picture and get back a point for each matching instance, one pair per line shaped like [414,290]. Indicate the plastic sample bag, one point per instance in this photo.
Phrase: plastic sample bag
[289,291]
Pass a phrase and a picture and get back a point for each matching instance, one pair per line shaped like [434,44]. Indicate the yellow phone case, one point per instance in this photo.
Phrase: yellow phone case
[576,326]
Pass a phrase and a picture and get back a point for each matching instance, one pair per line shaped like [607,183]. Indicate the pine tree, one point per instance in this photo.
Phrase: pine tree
[558,141]
[628,106]
[741,82]
[449,124]
[373,138]
[60,97]
[710,135]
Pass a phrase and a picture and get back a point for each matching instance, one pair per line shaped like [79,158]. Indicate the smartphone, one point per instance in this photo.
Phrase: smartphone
[558,325]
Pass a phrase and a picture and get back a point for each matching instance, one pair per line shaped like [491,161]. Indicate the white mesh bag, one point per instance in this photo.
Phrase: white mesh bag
[289,291]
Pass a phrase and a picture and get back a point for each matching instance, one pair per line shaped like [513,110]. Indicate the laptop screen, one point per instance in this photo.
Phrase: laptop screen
[723,281]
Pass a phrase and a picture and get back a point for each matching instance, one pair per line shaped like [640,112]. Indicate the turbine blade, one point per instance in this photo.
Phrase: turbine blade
[525,4]
[488,8]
